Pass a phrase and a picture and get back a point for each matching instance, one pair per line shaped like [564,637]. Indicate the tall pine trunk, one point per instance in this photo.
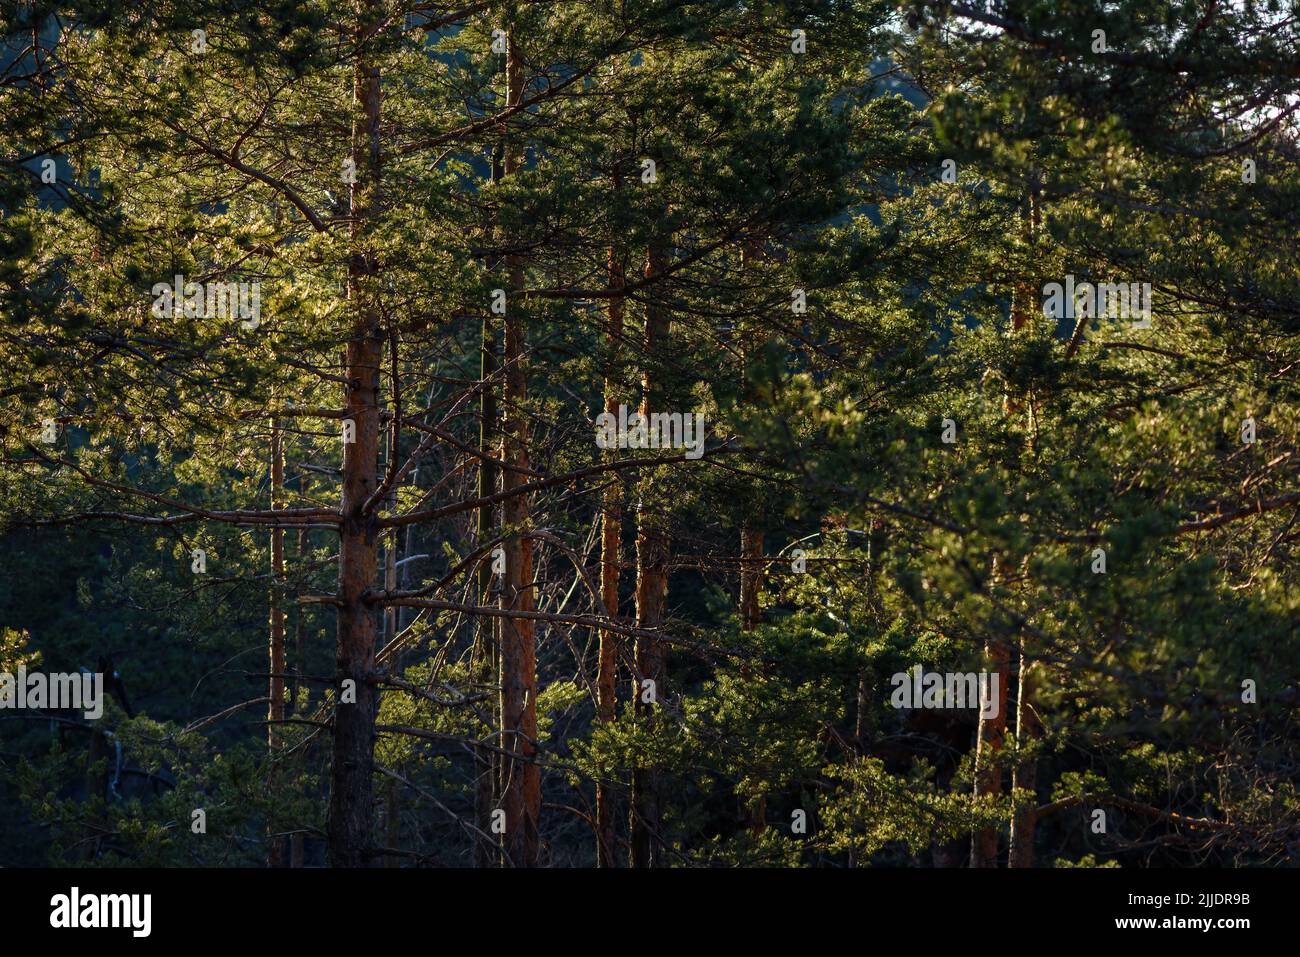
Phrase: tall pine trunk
[392,819]
[275,688]
[521,796]
[351,806]
[989,740]
[751,535]
[611,546]
[485,651]
[297,850]
[751,579]
[992,731]
[651,598]
[1024,773]
[1024,776]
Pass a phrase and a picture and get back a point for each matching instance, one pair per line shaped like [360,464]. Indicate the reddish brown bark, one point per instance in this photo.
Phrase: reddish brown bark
[651,599]
[351,806]
[988,773]
[521,796]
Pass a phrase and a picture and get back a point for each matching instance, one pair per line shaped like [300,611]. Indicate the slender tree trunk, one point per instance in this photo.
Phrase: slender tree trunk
[751,578]
[351,809]
[407,563]
[1024,777]
[299,656]
[863,723]
[390,547]
[751,536]
[651,598]
[521,790]
[861,726]
[485,651]
[275,690]
[611,547]
[298,697]
[988,774]
[392,796]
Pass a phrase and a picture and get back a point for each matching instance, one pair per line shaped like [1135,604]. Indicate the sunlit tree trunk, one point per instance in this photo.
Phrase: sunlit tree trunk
[988,773]
[1024,777]
[351,807]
